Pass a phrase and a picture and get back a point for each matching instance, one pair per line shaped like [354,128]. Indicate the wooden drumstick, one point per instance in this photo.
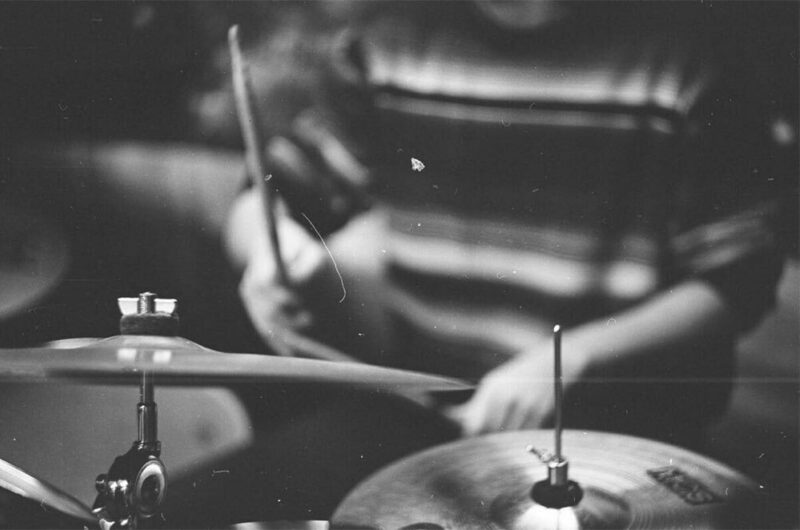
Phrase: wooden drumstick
[254,146]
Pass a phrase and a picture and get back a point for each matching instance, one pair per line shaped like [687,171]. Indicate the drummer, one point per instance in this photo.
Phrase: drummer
[475,173]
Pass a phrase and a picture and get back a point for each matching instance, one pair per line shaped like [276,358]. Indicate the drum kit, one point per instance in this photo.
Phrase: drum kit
[508,480]
[501,481]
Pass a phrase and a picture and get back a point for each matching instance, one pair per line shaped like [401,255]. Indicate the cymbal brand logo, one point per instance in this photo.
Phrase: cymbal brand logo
[687,488]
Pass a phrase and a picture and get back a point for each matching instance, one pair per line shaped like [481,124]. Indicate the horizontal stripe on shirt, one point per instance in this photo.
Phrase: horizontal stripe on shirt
[554,262]
[661,69]
[729,240]
[575,116]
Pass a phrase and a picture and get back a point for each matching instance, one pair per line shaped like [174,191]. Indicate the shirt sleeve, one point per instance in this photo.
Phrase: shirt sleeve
[727,207]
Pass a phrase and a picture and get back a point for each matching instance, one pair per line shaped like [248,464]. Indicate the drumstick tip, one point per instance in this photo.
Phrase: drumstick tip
[233,35]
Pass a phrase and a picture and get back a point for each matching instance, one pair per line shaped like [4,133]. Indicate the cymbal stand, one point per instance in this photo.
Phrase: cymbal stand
[131,493]
[557,491]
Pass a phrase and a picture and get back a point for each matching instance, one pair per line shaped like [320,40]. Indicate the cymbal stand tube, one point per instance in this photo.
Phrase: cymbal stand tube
[557,467]
[557,491]
[147,414]
[559,389]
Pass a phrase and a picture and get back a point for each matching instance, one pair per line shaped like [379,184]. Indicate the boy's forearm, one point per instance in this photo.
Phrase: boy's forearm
[688,316]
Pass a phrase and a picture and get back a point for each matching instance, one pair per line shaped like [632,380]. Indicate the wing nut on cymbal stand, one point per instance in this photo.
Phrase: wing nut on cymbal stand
[130,495]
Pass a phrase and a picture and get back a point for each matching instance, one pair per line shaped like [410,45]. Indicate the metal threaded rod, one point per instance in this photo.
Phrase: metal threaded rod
[146,303]
[147,414]
[559,389]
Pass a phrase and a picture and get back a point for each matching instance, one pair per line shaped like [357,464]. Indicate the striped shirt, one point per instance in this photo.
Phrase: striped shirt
[539,179]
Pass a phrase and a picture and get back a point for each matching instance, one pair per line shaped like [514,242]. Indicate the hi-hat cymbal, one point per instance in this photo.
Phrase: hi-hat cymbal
[21,483]
[175,360]
[484,483]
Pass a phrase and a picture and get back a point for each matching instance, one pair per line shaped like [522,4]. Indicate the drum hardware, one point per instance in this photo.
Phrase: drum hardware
[626,482]
[131,493]
[557,491]
[484,483]
[171,360]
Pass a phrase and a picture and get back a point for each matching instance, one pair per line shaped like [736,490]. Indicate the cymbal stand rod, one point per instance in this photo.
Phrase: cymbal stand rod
[559,390]
[146,391]
[254,145]
[130,495]
[557,491]
[147,414]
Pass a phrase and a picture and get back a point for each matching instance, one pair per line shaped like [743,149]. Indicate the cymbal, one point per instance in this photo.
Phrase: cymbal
[18,481]
[281,525]
[484,483]
[34,256]
[178,361]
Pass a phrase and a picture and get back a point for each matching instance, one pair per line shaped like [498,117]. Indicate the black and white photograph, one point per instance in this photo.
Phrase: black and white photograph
[400,264]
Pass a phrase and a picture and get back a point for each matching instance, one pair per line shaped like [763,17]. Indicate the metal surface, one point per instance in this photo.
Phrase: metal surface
[147,413]
[558,381]
[484,483]
[21,483]
[281,525]
[557,472]
[178,361]
[130,495]
[146,303]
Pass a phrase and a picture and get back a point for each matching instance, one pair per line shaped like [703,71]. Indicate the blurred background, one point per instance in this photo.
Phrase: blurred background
[120,155]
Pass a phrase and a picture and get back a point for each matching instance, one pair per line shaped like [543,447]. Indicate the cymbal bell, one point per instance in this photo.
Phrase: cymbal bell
[178,361]
[484,483]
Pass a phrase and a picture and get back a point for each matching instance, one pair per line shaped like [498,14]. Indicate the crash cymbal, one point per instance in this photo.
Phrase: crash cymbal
[484,483]
[175,360]
[33,257]
[21,483]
